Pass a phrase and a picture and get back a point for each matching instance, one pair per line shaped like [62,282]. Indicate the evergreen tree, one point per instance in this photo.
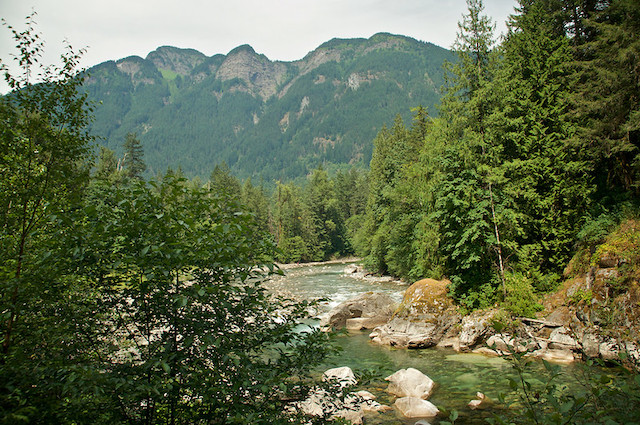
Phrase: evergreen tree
[547,179]
[326,221]
[292,224]
[256,202]
[107,165]
[391,215]
[223,183]
[467,197]
[606,101]
[133,161]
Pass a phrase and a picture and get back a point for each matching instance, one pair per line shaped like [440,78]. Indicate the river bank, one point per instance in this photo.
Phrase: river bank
[458,375]
[565,331]
[346,260]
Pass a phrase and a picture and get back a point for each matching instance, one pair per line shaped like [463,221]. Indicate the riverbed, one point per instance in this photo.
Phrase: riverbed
[458,376]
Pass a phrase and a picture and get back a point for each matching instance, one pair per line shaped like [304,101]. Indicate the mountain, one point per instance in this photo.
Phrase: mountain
[269,119]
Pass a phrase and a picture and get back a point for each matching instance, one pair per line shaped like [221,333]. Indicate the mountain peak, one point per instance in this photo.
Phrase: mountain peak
[245,48]
[180,61]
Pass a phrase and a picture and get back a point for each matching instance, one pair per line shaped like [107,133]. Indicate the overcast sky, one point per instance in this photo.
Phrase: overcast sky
[280,29]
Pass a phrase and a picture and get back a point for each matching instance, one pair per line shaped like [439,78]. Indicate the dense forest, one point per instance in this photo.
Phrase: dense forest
[127,300]
[534,154]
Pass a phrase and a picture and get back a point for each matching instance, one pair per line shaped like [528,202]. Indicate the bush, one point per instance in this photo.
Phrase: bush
[521,299]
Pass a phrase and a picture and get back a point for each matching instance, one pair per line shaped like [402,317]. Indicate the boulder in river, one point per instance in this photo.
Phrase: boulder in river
[371,308]
[341,375]
[424,318]
[481,402]
[414,407]
[410,383]
[426,296]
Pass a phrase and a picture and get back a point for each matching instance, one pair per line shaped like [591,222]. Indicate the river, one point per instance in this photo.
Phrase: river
[458,376]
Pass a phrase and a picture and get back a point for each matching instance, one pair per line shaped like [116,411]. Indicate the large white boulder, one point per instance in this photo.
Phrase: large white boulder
[414,407]
[410,383]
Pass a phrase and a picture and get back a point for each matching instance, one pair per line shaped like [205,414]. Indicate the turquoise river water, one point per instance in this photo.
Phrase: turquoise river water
[458,376]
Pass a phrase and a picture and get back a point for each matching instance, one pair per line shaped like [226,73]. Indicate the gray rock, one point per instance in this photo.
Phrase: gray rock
[414,407]
[363,323]
[342,375]
[502,343]
[561,340]
[609,350]
[590,344]
[410,383]
[376,307]
[633,351]
[350,269]
[475,327]
[403,332]
[606,275]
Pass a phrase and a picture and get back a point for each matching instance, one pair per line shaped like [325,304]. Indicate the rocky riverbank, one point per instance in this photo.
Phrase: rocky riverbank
[572,326]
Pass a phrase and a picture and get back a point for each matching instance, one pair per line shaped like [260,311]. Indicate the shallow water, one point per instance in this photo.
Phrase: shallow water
[458,376]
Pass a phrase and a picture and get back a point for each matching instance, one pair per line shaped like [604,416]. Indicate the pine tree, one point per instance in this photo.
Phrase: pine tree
[606,99]
[133,161]
[547,180]
[223,183]
[467,195]
[107,165]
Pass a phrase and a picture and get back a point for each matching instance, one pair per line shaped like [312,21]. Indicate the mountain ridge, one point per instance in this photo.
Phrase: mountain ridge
[268,119]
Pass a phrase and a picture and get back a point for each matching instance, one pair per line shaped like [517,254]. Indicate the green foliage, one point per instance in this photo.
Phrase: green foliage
[497,190]
[180,271]
[581,297]
[605,396]
[44,151]
[133,160]
[547,175]
[393,207]
[43,154]
[223,183]
[605,101]
[310,222]
[521,299]
[468,203]
[293,250]
[125,301]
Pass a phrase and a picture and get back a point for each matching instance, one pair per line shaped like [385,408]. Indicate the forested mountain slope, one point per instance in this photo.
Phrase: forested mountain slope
[276,120]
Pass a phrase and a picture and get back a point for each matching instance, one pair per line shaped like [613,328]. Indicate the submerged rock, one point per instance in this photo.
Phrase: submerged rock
[481,402]
[414,407]
[558,356]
